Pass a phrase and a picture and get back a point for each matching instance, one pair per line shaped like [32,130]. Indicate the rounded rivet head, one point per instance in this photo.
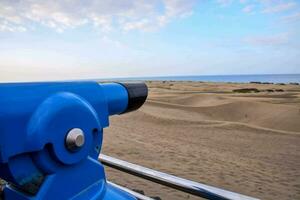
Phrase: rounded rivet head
[75,139]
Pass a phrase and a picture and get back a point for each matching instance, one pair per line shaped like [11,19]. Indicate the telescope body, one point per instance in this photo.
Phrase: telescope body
[51,136]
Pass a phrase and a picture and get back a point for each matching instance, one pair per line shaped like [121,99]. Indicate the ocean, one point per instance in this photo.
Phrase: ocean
[271,78]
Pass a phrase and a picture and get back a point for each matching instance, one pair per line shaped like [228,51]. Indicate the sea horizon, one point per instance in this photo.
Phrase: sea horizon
[242,78]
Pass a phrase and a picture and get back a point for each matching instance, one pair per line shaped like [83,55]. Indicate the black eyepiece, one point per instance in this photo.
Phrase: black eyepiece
[137,95]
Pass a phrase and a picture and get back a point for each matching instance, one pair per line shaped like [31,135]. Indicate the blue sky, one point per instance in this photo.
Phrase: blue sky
[82,39]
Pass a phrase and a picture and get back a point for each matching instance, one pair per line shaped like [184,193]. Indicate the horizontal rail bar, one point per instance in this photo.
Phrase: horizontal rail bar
[135,194]
[191,187]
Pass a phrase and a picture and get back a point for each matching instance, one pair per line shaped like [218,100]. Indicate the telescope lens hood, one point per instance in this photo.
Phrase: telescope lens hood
[137,95]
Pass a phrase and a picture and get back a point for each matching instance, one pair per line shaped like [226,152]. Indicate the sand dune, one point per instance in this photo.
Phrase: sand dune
[273,116]
[248,143]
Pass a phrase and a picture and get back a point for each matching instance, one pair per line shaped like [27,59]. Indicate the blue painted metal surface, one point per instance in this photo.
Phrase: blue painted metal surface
[34,121]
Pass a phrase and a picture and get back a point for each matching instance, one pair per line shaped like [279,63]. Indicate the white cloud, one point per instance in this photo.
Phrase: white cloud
[248,8]
[268,40]
[243,1]
[6,26]
[114,43]
[274,8]
[268,6]
[105,14]
[142,24]
[224,2]
[291,18]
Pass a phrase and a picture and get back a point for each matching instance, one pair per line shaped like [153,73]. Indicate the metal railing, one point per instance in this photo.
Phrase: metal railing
[135,194]
[184,185]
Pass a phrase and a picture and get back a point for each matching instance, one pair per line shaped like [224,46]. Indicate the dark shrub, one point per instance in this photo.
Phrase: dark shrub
[246,90]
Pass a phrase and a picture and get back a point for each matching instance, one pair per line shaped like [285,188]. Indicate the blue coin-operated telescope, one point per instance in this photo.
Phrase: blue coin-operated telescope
[51,137]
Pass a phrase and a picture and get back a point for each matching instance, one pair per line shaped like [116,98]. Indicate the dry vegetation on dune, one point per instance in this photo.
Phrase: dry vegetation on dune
[244,142]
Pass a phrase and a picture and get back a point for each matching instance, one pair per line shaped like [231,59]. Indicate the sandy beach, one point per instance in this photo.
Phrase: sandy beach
[244,142]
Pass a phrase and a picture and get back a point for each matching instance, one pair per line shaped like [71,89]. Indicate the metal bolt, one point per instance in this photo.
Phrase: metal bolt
[75,139]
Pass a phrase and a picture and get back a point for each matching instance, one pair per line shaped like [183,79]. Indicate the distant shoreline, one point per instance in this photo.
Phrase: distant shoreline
[259,79]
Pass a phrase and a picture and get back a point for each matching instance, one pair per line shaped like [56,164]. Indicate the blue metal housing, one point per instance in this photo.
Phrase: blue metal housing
[34,121]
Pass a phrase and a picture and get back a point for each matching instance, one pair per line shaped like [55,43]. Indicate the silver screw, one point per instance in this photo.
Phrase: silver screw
[75,139]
